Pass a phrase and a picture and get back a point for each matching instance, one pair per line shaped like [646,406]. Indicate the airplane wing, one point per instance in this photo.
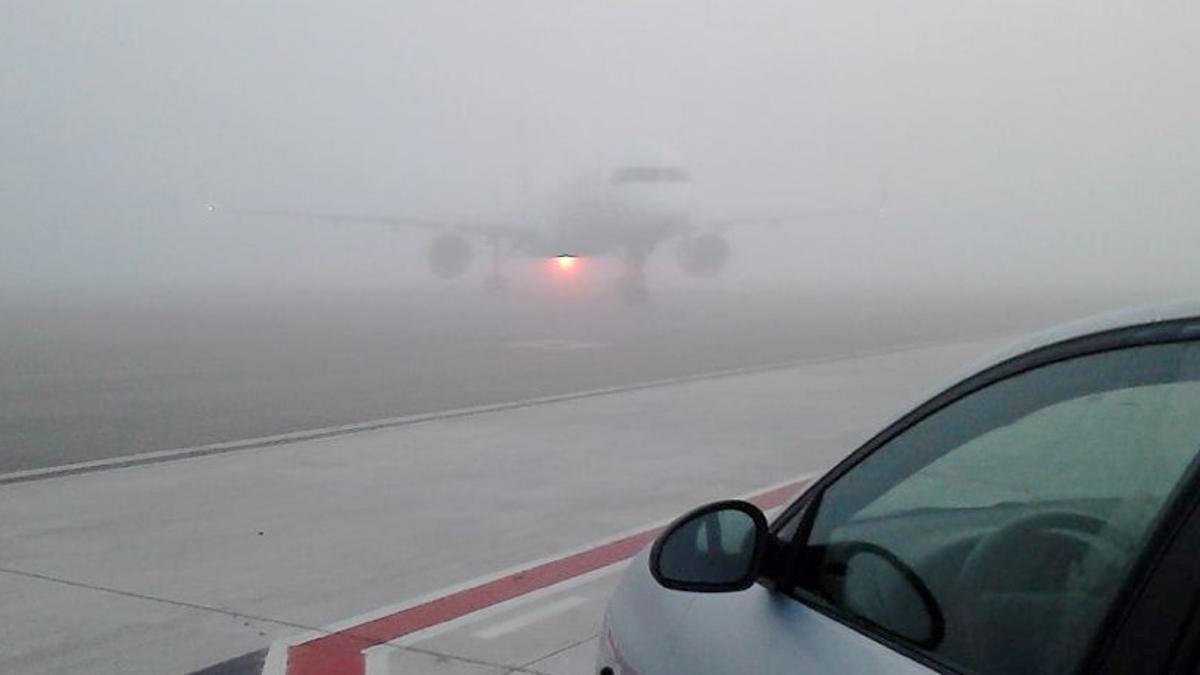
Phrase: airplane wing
[503,230]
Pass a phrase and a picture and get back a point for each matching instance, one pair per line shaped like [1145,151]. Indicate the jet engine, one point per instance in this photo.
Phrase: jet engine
[449,255]
[704,255]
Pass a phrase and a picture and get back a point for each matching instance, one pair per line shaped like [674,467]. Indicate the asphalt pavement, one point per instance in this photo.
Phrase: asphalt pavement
[413,443]
[181,565]
[96,377]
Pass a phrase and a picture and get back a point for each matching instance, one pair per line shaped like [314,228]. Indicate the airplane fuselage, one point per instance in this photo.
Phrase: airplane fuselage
[625,210]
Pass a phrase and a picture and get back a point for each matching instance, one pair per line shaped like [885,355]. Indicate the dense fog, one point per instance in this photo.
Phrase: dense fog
[1020,145]
[259,375]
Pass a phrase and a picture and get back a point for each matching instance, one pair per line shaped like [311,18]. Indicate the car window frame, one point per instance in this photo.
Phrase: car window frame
[1177,509]
[1159,629]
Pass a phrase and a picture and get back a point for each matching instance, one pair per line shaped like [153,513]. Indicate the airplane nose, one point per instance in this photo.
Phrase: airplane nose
[655,203]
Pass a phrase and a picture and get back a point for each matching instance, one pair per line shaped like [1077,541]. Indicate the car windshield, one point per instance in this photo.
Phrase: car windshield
[1031,497]
[372,336]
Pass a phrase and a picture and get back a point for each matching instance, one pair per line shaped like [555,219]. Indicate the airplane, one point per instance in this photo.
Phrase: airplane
[626,209]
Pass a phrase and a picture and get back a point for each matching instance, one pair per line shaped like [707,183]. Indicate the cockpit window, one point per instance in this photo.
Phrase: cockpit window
[649,174]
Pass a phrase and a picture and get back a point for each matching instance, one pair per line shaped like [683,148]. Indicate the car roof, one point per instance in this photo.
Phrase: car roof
[1100,323]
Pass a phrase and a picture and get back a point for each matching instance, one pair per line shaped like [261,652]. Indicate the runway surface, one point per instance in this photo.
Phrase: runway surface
[88,378]
[204,563]
[185,565]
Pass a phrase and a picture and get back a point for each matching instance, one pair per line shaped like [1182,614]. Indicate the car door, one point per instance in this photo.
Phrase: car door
[999,528]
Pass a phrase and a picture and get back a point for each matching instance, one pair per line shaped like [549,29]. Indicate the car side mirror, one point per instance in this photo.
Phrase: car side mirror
[718,548]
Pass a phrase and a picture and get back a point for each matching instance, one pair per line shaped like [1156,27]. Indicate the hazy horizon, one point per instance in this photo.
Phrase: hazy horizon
[1024,145]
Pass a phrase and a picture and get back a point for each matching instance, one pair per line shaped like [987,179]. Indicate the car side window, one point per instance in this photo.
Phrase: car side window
[995,533]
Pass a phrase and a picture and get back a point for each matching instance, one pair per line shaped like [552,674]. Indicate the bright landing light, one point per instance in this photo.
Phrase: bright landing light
[565,263]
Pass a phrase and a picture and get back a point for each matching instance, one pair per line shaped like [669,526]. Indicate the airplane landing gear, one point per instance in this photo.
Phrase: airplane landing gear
[495,283]
[632,287]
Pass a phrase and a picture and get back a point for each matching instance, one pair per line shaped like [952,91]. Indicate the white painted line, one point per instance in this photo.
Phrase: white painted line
[500,608]
[139,459]
[377,660]
[479,581]
[276,661]
[531,617]
[556,345]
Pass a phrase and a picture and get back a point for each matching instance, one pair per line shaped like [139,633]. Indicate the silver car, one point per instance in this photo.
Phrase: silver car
[1036,517]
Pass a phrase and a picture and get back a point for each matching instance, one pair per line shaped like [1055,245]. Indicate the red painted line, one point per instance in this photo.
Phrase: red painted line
[341,652]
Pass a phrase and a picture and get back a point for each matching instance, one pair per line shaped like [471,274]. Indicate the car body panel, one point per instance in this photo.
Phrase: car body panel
[653,631]
[652,619]
[775,634]
[661,632]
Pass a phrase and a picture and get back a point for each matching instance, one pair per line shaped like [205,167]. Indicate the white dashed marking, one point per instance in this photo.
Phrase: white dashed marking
[556,345]
[529,618]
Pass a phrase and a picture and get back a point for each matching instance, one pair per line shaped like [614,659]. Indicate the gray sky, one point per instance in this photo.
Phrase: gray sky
[1025,142]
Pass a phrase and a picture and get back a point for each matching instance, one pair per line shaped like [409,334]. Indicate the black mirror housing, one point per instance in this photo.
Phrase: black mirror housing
[717,548]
